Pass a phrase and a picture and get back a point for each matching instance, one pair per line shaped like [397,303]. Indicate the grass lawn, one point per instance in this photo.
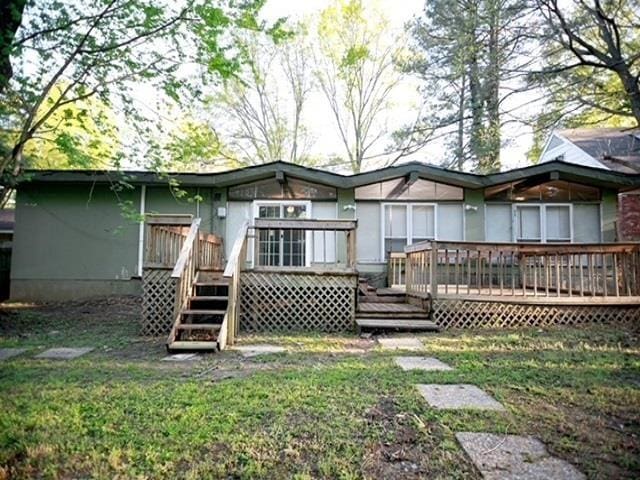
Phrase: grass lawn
[332,407]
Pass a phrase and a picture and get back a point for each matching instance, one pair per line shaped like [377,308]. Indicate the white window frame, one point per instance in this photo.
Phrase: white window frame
[543,219]
[409,227]
[308,254]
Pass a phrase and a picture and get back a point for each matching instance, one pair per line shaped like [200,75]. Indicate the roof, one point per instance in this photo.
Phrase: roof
[556,170]
[616,148]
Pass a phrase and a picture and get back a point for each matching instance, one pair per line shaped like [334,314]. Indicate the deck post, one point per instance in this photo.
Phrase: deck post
[433,269]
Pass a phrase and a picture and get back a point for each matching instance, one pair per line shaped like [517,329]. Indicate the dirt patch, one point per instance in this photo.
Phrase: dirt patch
[409,447]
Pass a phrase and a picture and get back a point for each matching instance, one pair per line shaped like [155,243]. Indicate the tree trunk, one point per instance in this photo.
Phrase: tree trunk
[10,20]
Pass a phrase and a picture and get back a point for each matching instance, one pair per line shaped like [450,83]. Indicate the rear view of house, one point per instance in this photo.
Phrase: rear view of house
[305,248]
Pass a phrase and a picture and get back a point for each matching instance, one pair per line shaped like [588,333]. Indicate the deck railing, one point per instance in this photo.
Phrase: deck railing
[327,245]
[554,273]
[230,324]
[396,269]
[175,250]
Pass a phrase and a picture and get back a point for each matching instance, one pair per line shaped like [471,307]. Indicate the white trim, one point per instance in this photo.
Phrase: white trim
[308,254]
[542,208]
[409,221]
[143,201]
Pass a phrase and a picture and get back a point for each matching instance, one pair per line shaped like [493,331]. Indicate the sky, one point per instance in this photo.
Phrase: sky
[399,12]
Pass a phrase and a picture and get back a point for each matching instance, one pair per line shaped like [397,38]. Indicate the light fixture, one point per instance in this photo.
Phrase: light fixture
[519,199]
[349,207]
[291,209]
[471,208]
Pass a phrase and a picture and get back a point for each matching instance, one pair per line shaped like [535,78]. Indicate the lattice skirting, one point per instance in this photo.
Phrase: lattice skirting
[285,302]
[158,294]
[470,314]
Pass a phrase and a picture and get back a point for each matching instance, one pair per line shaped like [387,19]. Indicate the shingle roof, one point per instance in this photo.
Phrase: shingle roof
[616,148]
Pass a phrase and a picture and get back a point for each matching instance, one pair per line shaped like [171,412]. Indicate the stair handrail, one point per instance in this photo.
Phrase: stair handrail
[186,266]
[232,271]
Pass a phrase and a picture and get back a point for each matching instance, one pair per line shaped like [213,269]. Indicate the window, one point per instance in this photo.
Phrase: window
[551,191]
[405,189]
[542,223]
[528,227]
[283,248]
[291,188]
[558,223]
[405,224]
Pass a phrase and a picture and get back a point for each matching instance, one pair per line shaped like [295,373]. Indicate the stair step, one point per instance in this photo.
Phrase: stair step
[396,315]
[212,283]
[377,299]
[391,291]
[191,311]
[373,307]
[390,323]
[194,345]
[211,298]
[199,326]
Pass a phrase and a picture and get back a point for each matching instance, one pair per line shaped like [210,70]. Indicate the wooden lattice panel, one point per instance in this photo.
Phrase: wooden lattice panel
[158,295]
[471,314]
[285,302]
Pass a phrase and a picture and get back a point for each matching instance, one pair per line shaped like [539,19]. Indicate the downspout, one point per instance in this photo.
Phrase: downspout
[143,196]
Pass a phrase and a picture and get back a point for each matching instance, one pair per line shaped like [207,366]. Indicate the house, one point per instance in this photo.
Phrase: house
[288,230]
[614,149]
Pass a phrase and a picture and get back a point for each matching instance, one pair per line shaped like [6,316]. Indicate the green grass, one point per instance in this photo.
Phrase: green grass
[316,412]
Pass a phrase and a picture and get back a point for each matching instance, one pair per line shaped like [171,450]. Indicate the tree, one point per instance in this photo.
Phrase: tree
[469,55]
[81,135]
[357,75]
[260,111]
[591,60]
[108,49]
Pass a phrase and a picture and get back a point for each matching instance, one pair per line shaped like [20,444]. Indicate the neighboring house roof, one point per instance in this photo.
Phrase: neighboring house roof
[615,149]
[7,220]
[556,170]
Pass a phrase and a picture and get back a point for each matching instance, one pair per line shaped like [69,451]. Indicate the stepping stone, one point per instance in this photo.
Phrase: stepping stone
[400,343]
[458,397]
[255,350]
[514,457]
[180,357]
[7,353]
[64,353]
[428,364]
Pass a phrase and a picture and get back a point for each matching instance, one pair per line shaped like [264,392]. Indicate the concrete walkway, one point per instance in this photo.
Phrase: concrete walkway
[514,457]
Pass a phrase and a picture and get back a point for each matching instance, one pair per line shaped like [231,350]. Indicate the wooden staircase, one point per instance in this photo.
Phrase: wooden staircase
[388,309]
[197,327]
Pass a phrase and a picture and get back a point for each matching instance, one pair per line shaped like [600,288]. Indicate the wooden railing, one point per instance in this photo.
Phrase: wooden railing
[552,273]
[164,238]
[235,263]
[396,269]
[186,267]
[327,245]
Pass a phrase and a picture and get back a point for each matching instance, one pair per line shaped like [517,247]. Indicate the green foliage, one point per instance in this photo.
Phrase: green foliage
[582,89]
